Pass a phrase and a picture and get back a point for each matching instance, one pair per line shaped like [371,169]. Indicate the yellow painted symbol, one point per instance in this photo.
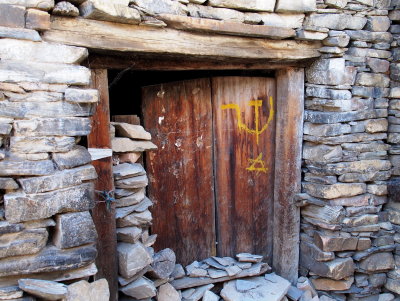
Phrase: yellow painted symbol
[257,164]
[256,104]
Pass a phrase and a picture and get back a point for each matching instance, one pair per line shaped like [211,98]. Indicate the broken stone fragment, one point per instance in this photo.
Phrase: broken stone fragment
[45,289]
[50,259]
[247,257]
[81,95]
[153,7]
[341,242]
[325,284]
[135,219]
[132,259]
[24,207]
[167,292]
[8,184]
[32,145]
[336,269]
[131,131]
[250,5]
[178,272]
[132,199]
[140,289]
[85,291]
[74,229]
[10,292]
[163,264]
[377,262]
[134,182]
[196,293]
[124,145]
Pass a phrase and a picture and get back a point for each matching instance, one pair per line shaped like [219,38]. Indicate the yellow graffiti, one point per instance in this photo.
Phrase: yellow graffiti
[256,104]
[257,164]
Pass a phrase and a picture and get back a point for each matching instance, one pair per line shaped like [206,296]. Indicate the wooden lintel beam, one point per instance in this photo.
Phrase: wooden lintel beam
[115,37]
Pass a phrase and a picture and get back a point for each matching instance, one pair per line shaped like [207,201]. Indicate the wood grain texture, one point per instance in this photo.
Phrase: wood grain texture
[289,129]
[179,117]
[226,27]
[110,36]
[103,218]
[244,195]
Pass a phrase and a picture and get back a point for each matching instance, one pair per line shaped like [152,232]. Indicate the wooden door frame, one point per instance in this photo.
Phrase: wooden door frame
[289,133]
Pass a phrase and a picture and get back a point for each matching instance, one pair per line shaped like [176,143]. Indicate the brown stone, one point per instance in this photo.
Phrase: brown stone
[12,16]
[336,269]
[335,190]
[377,262]
[335,243]
[37,19]
[325,284]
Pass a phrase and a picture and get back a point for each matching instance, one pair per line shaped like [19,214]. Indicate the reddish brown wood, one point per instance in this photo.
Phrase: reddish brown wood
[104,218]
[244,196]
[179,117]
[289,128]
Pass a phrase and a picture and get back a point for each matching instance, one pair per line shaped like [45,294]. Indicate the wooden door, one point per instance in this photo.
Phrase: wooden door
[212,176]
[179,117]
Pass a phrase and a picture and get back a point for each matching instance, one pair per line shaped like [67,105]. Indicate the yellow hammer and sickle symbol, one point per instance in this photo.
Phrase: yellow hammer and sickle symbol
[256,104]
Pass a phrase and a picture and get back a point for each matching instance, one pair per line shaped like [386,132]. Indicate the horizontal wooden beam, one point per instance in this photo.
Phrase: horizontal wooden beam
[115,37]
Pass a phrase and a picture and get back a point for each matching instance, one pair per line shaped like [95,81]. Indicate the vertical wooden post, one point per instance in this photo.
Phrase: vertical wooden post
[289,135]
[104,218]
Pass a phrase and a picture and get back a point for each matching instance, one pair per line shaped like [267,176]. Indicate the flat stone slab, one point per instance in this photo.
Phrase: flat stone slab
[48,290]
[271,288]
[131,131]
[127,170]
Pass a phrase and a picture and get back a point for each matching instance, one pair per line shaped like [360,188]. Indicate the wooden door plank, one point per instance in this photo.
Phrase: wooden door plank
[179,117]
[103,217]
[289,129]
[110,36]
[244,163]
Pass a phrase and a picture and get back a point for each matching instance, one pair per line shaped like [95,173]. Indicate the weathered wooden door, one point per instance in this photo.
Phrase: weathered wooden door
[212,177]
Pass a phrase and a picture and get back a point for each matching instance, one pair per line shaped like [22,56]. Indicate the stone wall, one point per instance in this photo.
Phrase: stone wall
[349,230]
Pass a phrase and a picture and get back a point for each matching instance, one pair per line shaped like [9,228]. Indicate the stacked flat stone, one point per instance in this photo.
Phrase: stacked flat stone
[347,240]
[46,230]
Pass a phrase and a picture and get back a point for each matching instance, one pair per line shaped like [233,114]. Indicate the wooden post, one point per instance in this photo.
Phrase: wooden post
[289,134]
[104,217]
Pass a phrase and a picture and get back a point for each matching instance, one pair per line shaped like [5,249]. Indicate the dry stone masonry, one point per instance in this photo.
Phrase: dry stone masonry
[350,226]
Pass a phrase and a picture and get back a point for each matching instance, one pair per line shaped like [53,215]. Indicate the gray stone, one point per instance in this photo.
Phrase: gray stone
[336,269]
[167,292]
[129,234]
[336,21]
[132,258]
[12,16]
[11,292]
[372,79]
[81,95]
[161,7]
[251,5]
[377,262]
[19,33]
[367,36]
[197,293]
[35,96]
[25,207]
[210,296]
[333,191]
[282,20]
[11,49]
[9,167]
[67,126]
[341,242]
[325,284]
[208,12]
[127,170]
[326,92]
[58,180]
[133,199]
[48,260]
[48,290]
[39,4]
[326,129]
[140,289]
[31,145]
[330,72]
[271,287]
[109,11]
[336,3]
[356,137]
[378,23]
[378,65]
[322,153]
[327,214]
[367,52]
[163,264]
[52,73]
[65,8]
[287,6]
[131,131]
[134,182]
[79,155]
[74,229]
[315,252]
[26,242]
[8,184]
[44,109]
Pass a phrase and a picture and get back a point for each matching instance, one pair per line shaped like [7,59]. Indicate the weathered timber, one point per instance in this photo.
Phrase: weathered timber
[183,193]
[226,27]
[289,130]
[104,215]
[188,282]
[132,38]
[244,157]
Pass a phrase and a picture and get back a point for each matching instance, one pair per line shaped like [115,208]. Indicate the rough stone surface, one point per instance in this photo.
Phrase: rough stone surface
[167,292]
[287,6]
[132,259]
[253,5]
[48,290]
[85,291]
[74,229]
[140,289]
[79,155]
